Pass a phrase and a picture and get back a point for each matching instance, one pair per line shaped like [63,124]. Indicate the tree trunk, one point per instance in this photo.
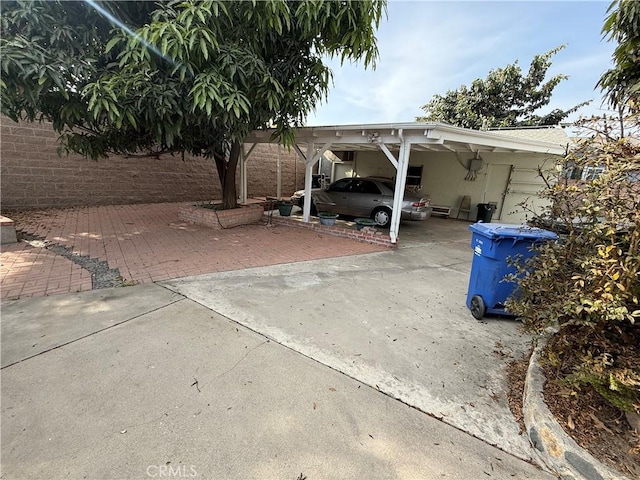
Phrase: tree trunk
[227,174]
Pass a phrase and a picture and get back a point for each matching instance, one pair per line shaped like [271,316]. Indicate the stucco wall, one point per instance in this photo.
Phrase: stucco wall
[33,175]
[443,179]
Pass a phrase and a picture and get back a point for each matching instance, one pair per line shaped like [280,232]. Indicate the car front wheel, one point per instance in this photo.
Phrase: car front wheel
[382,216]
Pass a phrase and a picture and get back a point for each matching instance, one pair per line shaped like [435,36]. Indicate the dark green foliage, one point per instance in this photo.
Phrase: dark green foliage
[506,98]
[180,76]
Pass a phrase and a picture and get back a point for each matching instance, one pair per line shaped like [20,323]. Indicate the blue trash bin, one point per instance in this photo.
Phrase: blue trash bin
[493,244]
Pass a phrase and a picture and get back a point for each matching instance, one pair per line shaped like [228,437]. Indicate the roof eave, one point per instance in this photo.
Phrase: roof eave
[424,134]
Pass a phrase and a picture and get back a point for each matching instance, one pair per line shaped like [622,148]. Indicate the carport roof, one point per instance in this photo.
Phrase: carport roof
[433,137]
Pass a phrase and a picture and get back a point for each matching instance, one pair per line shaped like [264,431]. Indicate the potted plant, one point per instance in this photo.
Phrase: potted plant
[327,218]
[365,222]
[285,207]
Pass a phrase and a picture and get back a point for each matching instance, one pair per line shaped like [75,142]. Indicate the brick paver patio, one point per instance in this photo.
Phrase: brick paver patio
[148,243]
[27,271]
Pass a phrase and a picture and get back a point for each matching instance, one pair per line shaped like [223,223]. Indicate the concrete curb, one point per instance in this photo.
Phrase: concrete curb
[554,448]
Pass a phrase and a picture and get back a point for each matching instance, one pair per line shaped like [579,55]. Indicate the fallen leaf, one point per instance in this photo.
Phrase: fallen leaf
[598,423]
[570,423]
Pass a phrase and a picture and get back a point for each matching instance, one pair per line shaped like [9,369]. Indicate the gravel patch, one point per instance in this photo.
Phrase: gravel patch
[101,275]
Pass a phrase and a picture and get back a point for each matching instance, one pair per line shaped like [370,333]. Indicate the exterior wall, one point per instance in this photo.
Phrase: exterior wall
[443,179]
[262,171]
[33,175]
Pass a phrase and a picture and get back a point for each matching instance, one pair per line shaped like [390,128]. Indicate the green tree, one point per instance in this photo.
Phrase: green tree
[622,82]
[506,98]
[191,76]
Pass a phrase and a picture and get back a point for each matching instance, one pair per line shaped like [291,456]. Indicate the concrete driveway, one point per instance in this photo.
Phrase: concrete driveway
[289,371]
[396,321]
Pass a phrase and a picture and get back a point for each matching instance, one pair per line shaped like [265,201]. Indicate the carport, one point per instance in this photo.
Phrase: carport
[397,142]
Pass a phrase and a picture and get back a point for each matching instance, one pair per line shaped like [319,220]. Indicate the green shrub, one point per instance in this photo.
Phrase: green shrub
[587,284]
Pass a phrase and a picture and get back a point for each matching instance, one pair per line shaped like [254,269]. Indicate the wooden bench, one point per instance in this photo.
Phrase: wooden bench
[7,230]
[440,210]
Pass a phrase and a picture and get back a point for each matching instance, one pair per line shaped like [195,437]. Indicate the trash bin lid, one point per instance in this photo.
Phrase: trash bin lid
[505,230]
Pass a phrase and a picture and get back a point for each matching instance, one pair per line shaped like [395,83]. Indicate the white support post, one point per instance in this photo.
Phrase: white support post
[401,183]
[245,189]
[244,157]
[389,155]
[243,173]
[309,160]
[302,156]
[279,176]
[308,176]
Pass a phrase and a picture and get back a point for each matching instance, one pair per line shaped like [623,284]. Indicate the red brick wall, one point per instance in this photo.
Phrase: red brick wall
[34,176]
[366,235]
[221,219]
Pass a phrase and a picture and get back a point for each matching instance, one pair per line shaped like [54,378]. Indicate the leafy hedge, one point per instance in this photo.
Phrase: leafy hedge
[587,284]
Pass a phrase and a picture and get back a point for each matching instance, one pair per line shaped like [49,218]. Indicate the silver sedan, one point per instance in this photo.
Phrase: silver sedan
[369,197]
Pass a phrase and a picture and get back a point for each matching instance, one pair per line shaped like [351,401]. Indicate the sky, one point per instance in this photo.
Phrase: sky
[430,47]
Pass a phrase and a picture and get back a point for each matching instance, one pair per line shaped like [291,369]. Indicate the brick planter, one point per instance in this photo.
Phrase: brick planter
[219,219]
[7,230]
[366,235]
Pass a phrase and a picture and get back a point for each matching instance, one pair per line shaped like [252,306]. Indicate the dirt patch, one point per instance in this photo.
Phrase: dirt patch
[516,374]
[585,416]
[595,425]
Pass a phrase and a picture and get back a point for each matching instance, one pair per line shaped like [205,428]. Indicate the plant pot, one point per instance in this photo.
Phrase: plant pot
[327,218]
[364,222]
[284,209]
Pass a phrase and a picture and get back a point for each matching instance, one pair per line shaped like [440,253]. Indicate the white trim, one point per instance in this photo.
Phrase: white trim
[418,136]
[421,135]
[389,155]
[244,157]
